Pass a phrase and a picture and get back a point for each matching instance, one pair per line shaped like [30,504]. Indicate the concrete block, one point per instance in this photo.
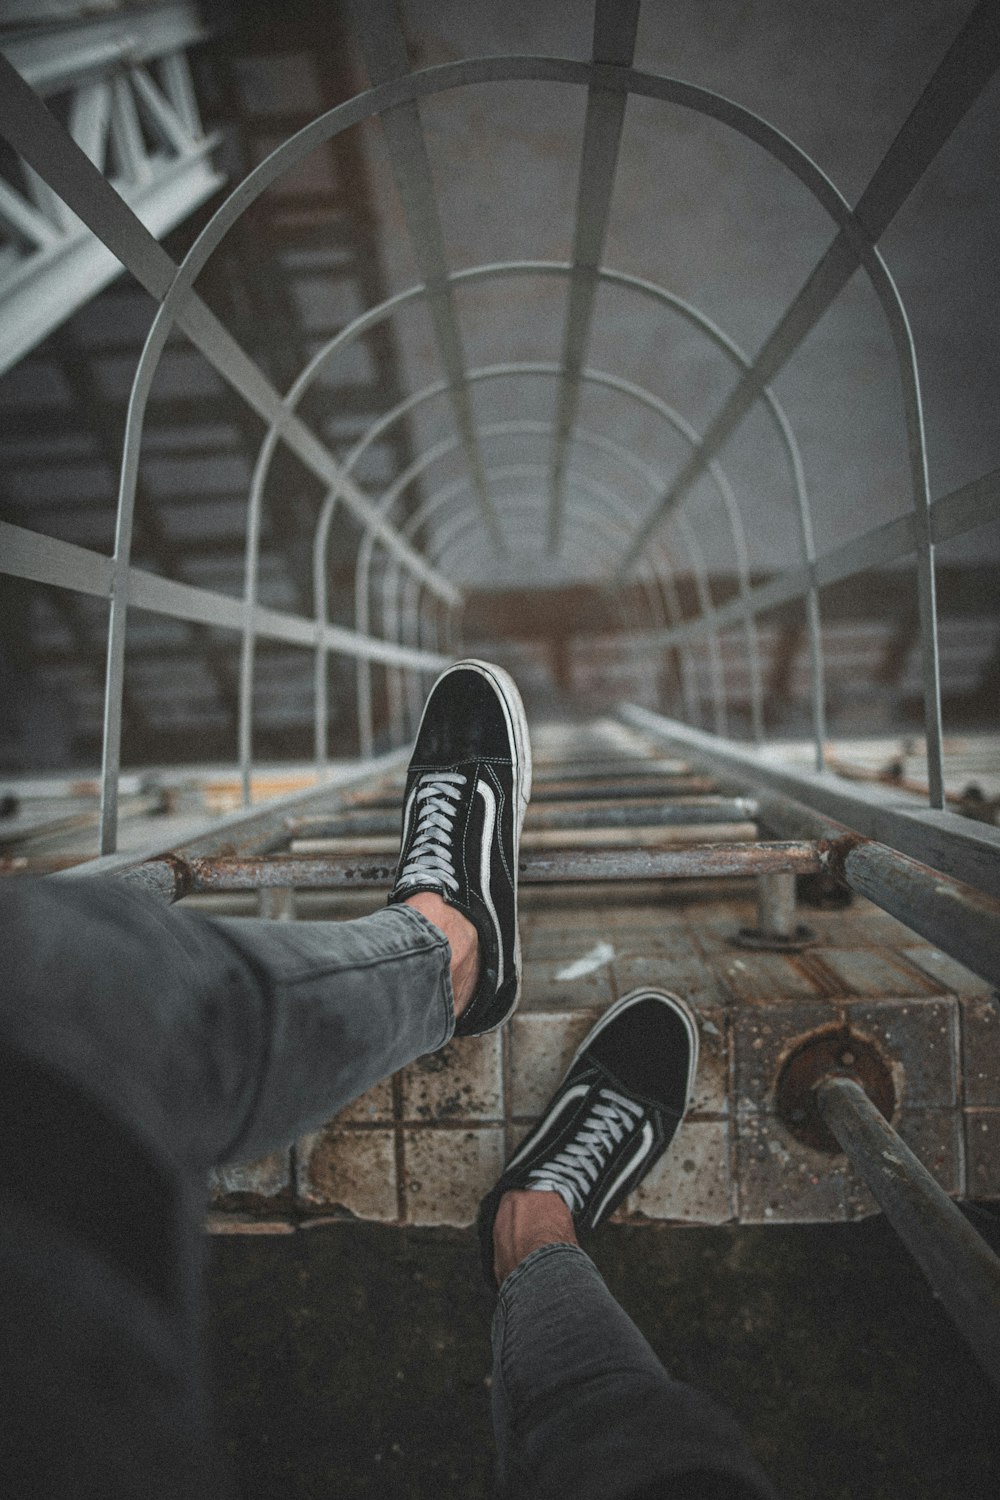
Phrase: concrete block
[861,971]
[542,1047]
[935,1138]
[921,1036]
[779,1181]
[980,1023]
[982,1149]
[447,1172]
[353,1170]
[556,984]
[762,1037]
[461,1082]
[712,1084]
[946,972]
[374,1107]
[686,975]
[763,977]
[714,924]
[692,1182]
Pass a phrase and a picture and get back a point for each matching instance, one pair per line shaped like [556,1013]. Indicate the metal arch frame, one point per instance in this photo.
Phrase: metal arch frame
[182,287]
[652,403]
[364,323]
[375,315]
[525,427]
[604,525]
[464,520]
[362,576]
[426,510]
[624,81]
[716,672]
[616,383]
[393,623]
[364,562]
[662,601]
[661,597]
[951,91]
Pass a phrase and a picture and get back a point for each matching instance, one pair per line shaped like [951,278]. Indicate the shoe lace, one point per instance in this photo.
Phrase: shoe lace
[574,1170]
[430,852]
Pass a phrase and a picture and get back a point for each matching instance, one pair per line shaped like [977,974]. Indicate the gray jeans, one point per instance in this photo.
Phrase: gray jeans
[140,1046]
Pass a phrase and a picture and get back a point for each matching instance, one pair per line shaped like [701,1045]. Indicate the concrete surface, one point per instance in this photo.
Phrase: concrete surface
[423,1147]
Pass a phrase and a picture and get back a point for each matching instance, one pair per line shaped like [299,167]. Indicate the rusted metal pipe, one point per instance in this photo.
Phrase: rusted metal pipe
[964,849]
[703,861]
[776,931]
[960,919]
[961,1268]
[957,918]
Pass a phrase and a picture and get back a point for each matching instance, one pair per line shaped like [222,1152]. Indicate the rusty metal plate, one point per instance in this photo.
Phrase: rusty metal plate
[830,1050]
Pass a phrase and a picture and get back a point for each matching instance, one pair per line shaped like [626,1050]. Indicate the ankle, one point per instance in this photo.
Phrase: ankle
[525,1221]
[463,939]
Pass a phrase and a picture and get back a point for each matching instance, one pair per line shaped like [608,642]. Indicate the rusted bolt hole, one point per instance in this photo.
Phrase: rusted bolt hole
[832,1049]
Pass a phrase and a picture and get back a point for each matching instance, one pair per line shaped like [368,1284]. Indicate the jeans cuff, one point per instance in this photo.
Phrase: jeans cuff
[431,930]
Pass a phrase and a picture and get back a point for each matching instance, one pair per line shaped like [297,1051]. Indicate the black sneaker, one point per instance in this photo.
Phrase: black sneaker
[466,791]
[614,1114]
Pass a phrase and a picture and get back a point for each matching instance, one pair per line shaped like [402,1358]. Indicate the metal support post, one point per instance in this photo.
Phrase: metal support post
[776,905]
[776,927]
[277,903]
[961,1268]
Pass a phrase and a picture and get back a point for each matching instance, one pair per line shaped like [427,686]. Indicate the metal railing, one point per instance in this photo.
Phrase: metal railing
[609,80]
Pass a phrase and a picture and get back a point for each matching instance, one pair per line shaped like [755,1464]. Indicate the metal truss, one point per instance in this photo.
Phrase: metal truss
[132,111]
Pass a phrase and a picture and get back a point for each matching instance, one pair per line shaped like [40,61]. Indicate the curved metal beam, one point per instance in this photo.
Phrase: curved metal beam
[854,246]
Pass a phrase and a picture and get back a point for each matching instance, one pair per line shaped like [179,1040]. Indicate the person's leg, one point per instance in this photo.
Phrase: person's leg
[216,1039]
[582,1407]
[137,1047]
[219,1039]
[140,1045]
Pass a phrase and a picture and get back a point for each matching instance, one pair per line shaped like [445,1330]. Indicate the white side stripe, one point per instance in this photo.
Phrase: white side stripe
[485,853]
[569,1097]
[645,1146]
[406,815]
